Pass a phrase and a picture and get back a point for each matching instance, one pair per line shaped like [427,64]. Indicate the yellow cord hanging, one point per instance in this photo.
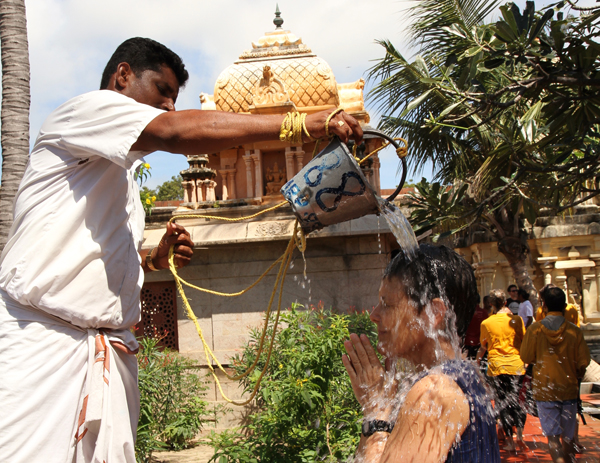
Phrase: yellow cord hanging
[298,239]
[401,151]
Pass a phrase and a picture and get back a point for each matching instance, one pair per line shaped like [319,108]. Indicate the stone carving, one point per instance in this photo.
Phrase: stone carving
[351,96]
[270,93]
[208,102]
[272,229]
[275,180]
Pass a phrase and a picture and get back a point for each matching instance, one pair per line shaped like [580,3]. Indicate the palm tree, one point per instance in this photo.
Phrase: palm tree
[508,121]
[15,106]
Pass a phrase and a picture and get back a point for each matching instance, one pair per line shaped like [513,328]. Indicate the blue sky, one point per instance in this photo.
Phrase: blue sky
[70,41]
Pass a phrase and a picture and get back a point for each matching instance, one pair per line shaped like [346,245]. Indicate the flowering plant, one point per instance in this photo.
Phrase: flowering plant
[147,196]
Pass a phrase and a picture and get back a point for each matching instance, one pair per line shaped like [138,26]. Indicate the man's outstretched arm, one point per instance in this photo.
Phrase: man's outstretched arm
[196,131]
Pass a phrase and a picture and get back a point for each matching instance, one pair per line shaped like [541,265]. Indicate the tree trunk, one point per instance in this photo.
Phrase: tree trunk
[512,243]
[517,258]
[15,106]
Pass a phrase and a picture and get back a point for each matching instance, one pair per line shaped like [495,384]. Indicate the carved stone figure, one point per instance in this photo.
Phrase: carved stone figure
[275,179]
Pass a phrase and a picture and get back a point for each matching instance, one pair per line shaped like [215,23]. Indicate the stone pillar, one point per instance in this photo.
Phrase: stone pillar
[231,184]
[587,302]
[486,272]
[249,182]
[224,175]
[289,163]
[508,276]
[547,268]
[376,179]
[258,185]
[187,190]
[209,186]
[200,191]
[299,159]
[596,259]
[561,282]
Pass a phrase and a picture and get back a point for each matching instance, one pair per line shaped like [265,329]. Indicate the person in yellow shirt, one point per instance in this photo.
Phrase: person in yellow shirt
[560,356]
[501,335]
[571,312]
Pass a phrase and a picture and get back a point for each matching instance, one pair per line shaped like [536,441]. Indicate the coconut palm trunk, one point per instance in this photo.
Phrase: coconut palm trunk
[15,106]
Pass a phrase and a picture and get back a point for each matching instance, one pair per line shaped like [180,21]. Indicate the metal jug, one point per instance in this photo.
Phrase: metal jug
[332,188]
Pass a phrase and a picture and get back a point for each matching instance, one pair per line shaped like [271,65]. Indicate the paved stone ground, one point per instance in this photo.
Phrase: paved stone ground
[538,448]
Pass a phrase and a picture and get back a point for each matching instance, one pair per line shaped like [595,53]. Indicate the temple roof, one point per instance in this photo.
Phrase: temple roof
[305,80]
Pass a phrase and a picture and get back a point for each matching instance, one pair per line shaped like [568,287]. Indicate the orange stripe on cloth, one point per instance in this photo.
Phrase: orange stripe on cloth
[81,420]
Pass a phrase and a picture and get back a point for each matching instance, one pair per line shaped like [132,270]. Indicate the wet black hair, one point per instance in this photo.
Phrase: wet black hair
[524,294]
[555,299]
[144,55]
[438,272]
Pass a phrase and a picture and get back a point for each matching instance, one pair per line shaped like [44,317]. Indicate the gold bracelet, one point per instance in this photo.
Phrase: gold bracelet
[305,130]
[291,128]
[149,262]
[339,110]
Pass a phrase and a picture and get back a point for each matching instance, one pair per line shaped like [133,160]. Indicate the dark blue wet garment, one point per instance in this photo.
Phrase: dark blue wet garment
[479,442]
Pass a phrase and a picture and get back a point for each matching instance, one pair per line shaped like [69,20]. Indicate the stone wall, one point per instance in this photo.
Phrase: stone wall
[343,268]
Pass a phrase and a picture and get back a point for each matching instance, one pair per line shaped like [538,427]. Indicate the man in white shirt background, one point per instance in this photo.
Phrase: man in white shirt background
[525,307]
[70,273]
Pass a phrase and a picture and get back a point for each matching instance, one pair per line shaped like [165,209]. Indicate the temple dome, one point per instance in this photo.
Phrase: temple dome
[303,79]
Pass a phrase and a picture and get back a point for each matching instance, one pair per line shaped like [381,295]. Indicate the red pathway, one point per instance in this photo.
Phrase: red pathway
[589,436]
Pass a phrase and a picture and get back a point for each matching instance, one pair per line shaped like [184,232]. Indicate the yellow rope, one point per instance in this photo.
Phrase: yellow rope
[226,219]
[400,151]
[298,239]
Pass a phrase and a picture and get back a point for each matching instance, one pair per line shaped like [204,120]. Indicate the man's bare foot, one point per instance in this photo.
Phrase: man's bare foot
[509,448]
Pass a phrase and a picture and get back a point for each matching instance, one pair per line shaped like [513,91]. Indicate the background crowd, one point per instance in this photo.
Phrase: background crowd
[534,361]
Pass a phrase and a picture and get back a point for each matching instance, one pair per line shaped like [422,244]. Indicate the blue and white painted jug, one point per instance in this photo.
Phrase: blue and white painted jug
[332,188]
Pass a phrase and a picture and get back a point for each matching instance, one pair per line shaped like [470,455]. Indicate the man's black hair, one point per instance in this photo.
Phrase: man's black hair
[524,294]
[438,272]
[144,55]
[511,286]
[555,299]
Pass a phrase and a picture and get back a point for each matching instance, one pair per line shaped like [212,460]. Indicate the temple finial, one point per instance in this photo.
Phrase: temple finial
[277,21]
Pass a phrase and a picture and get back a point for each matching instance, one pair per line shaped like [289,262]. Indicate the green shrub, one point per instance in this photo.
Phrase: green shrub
[307,410]
[171,407]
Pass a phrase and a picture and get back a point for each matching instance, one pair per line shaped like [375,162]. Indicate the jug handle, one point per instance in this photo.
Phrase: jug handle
[379,134]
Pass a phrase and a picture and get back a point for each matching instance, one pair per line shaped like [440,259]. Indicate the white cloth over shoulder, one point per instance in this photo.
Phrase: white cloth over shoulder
[67,394]
[78,222]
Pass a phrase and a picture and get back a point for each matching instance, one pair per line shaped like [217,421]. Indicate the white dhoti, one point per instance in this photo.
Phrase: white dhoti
[67,394]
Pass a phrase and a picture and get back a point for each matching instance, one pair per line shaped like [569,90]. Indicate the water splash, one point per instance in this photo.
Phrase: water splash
[400,227]
[378,234]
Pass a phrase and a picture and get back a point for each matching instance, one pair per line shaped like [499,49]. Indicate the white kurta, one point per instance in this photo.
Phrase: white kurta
[70,279]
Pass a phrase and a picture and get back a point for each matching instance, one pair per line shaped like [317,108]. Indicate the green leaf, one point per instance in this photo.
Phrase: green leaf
[540,23]
[530,212]
[421,65]
[416,102]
